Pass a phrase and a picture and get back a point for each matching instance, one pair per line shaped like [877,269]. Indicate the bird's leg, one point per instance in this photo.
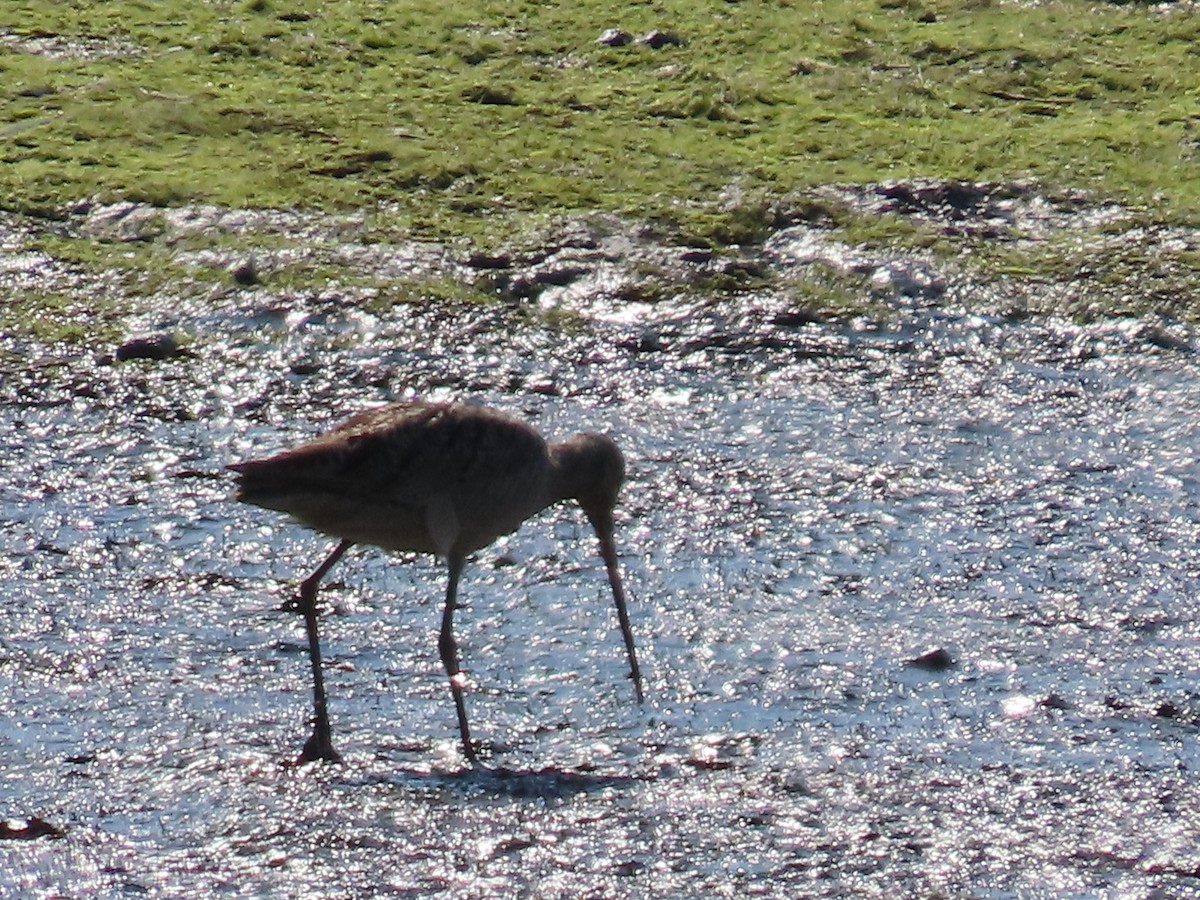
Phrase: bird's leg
[449,651]
[320,744]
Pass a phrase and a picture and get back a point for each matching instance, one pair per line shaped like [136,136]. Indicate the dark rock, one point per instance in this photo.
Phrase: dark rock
[304,367]
[32,828]
[1054,701]
[522,287]
[480,260]
[649,342]
[938,660]
[795,318]
[245,273]
[656,39]
[562,275]
[614,37]
[1167,710]
[157,347]
[1160,337]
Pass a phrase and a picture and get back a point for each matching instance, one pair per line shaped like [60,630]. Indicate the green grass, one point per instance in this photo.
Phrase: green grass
[463,113]
[473,120]
[53,317]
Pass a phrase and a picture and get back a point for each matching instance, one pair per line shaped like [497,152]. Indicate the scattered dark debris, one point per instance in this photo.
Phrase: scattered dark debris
[196,473]
[697,255]
[31,829]
[1160,337]
[654,39]
[1177,871]
[354,163]
[910,197]
[937,660]
[628,869]
[649,341]
[743,268]
[797,318]
[1054,701]
[708,763]
[491,95]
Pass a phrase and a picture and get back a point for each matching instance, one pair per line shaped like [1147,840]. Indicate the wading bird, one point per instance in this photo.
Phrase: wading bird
[442,478]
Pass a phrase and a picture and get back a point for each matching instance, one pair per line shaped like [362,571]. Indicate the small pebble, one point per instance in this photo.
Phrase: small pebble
[1167,710]
[480,260]
[614,37]
[33,827]
[304,367]
[245,273]
[938,660]
[656,39]
[157,346]
[795,318]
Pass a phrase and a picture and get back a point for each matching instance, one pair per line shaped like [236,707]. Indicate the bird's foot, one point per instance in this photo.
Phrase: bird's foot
[292,604]
[480,753]
[318,747]
[298,604]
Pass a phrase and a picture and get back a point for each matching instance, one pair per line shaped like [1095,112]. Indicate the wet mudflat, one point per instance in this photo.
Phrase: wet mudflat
[808,509]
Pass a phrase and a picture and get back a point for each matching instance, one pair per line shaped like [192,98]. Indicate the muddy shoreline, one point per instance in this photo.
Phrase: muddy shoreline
[647,290]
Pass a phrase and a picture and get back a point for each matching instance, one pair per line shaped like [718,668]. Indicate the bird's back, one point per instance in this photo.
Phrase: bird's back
[435,477]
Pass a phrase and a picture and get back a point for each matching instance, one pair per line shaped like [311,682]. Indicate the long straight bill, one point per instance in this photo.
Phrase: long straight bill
[608,550]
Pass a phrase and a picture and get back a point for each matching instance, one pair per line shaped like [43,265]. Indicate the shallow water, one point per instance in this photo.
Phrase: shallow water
[807,510]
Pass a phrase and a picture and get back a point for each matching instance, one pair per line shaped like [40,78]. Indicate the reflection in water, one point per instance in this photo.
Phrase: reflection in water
[797,525]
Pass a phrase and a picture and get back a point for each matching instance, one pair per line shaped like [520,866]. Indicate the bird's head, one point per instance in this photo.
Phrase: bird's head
[592,470]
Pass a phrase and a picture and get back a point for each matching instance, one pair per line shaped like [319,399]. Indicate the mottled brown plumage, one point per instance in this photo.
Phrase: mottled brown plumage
[441,478]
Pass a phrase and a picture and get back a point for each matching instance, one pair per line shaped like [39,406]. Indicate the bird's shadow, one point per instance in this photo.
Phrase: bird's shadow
[549,782]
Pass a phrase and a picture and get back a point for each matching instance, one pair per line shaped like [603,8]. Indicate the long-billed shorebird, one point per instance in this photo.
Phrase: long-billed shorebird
[442,478]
